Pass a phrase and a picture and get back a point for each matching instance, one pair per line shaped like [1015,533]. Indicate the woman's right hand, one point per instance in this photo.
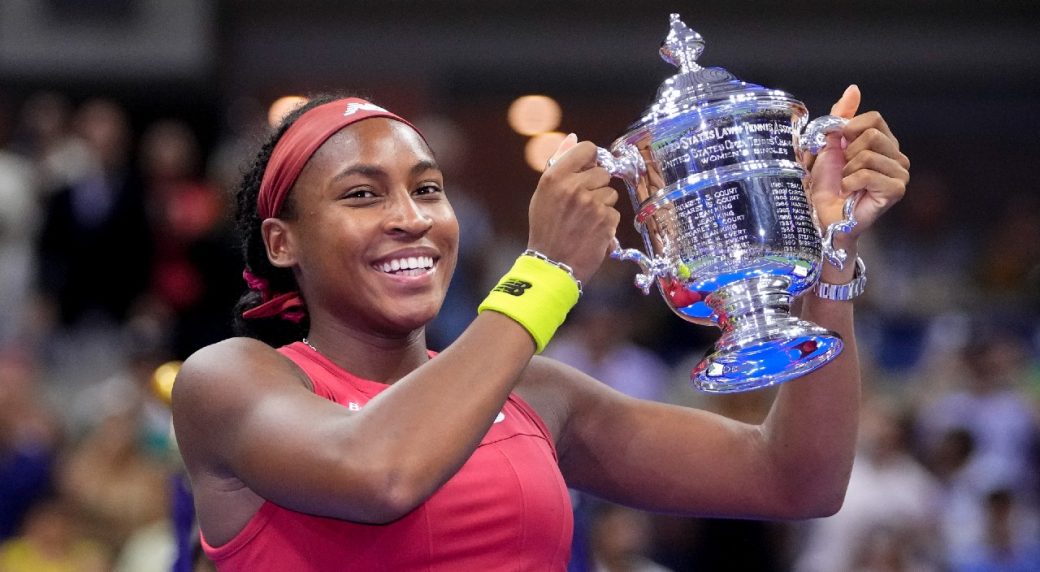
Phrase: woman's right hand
[572,215]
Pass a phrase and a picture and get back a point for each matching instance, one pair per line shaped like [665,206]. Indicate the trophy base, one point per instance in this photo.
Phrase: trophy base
[762,344]
[766,362]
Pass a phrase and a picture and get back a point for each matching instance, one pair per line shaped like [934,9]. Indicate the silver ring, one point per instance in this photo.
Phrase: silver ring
[550,162]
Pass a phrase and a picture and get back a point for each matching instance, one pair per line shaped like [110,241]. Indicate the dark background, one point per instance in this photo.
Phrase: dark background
[957,80]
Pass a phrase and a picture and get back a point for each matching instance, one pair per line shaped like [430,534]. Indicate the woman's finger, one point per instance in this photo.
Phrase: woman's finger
[876,141]
[872,161]
[881,189]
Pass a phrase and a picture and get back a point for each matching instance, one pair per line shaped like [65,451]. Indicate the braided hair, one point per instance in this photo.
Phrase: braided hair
[274,330]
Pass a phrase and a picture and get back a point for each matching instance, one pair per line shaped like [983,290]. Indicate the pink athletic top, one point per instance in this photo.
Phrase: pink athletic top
[506,509]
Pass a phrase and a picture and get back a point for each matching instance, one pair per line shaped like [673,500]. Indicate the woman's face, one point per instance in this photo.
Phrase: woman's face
[374,239]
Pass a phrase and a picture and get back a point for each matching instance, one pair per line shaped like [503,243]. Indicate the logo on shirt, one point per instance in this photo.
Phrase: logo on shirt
[500,417]
[513,287]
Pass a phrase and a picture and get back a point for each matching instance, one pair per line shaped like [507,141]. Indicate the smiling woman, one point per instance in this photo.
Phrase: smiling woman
[350,240]
[306,151]
[383,206]
[329,437]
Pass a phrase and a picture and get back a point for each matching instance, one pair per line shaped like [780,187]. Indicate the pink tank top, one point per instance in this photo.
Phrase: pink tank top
[506,509]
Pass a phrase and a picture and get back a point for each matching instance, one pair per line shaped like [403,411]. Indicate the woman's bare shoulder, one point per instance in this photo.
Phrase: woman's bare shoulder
[226,373]
[234,358]
[231,348]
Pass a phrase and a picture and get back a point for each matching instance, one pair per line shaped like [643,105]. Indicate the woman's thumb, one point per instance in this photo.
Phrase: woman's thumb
[565,145]
[847,105]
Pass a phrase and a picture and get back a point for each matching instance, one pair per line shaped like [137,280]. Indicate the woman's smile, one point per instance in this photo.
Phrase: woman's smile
[410,265]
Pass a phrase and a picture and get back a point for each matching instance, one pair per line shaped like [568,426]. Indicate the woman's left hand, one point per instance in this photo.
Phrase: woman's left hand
[863,157]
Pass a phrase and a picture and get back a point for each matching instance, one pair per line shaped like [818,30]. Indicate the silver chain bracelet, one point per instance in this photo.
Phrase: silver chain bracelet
[534,253]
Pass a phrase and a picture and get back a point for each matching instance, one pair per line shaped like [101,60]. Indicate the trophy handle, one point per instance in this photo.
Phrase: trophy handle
[652,268]
[624,163]
[812,141]
[627,164]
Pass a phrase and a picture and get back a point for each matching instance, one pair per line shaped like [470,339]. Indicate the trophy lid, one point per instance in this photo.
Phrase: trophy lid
[697,92]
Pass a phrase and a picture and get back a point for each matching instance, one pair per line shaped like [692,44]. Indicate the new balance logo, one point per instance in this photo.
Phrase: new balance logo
[354,107]
[513,287]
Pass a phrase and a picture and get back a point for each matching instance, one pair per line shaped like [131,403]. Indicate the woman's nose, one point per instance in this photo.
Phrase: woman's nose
[408,216]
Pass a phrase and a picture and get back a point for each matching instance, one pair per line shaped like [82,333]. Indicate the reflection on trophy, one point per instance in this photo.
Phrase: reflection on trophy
[719,201]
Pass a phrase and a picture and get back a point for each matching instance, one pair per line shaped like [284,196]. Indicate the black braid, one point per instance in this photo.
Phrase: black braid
[275,330]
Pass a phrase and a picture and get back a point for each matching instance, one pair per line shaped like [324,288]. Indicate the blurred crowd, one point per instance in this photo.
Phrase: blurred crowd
[117,256]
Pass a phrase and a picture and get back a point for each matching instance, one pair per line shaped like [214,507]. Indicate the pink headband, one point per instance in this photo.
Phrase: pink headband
[302,139]
[291,153]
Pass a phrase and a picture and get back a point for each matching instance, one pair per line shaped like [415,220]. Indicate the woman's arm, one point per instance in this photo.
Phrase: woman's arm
[668,458]
[243,410]
[797,462]
[244,414]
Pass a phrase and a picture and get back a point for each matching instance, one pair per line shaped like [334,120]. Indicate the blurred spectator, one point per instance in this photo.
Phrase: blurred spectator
[95,245]
[991,406]
[243,127]
[885,549]
[113,484]
[29,440]
[19,224]
[151,548]
[921,260]
[982,437]
[190,280]
[95,252]
[620,540]
[890,516]
[1008,545]
[961,522]
[1009,266]
[52,542]
[45,135]
[926,253]
[948,459]
[975,527]
[129,391]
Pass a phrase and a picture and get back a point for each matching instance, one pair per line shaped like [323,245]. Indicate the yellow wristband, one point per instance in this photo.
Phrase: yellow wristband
[537,294]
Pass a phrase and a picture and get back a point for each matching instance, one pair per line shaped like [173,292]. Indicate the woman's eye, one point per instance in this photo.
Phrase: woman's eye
[429,189]
[359,194]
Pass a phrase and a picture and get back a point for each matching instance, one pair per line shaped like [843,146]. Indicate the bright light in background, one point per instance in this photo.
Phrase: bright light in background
[540,147]
[534,114]
[162,380]
[282,107]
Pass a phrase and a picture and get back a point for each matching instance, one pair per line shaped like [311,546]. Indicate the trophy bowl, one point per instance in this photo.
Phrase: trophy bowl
[717,190]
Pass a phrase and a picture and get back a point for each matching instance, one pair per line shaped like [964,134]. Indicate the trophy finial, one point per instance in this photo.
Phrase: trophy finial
[682,47]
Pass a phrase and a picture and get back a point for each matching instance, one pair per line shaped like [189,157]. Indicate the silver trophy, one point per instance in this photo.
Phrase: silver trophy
[718,196]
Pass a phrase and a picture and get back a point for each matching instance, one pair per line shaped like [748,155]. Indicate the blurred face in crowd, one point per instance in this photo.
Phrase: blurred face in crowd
[105,128]
[168,151]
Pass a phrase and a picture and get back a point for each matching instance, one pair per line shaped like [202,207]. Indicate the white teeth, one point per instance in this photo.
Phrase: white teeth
[410,263]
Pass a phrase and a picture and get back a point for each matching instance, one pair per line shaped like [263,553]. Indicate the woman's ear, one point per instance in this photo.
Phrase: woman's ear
[278,239]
